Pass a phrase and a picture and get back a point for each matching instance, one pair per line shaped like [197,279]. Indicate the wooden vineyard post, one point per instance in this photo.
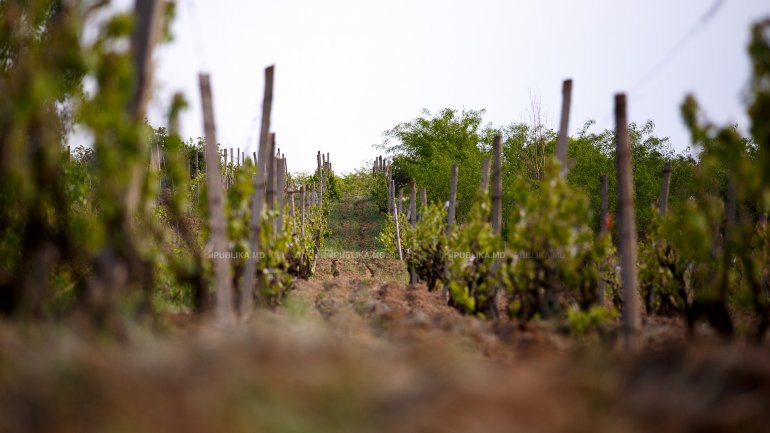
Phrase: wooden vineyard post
[258,199]
[450,220]
[216,207]
[391,194]
[497,184]
[270,196]
[664,188]
[452,199]
[302,212]
[413,222]
[143,40]
[224,168]
[627,224]
[423,200]
[324,180]
[497,217]
[320,180]
[394,212]
[603,229]
[485,175]
[317,245]
[323,169]
[293,214]
[561,150]
[230,170]
[313,195]
[413,205]
[280,191]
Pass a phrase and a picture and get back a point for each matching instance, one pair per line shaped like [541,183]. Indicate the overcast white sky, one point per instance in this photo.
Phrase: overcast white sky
[346,70]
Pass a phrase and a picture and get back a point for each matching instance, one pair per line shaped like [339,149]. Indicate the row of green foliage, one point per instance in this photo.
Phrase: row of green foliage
[708,259]
[80,234]
[704,260]
[287,246]
[101,231]
[549,260]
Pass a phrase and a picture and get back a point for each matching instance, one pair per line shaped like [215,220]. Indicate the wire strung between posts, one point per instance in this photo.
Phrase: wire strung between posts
[677,48]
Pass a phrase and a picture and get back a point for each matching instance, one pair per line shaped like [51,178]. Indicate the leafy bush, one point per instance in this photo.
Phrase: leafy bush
[473,248]
[358,183]
[663,272]
[555,254]
[378,191]
[301,252]
[426,249]
[274,279]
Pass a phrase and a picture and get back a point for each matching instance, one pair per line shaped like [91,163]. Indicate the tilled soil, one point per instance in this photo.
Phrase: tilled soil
[356,349]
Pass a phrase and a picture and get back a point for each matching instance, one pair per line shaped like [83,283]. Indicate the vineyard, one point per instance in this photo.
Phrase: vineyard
[470,277]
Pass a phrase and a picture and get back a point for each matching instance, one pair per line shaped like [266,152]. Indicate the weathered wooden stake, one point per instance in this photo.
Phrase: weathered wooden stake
[413,205]
[271,166]
[314,196]
[216,207]
[293,216]
[391,193]
[631,318]
[394,212]
[143,40]
[561,151]
[423,199]
[302,212]
[497,184]
[485,175]
[413,222]
[320,180]
[146,32]
[280,192]
[452,198]
[258,199]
